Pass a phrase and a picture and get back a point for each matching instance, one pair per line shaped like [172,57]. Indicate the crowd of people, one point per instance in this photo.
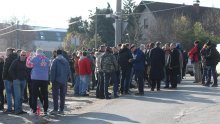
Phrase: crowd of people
[98,69]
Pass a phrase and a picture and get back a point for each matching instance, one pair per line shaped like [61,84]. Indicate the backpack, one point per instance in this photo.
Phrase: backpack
[216,55]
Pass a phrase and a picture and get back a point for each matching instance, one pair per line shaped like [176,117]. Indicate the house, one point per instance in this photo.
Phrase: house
[49,39]
[155,17]
[31,37]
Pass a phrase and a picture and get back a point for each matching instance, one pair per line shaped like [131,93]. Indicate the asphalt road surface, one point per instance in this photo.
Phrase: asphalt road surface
[188,104]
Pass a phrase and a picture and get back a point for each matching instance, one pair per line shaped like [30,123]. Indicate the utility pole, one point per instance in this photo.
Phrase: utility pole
[118,22]
[17,44]
[96,26]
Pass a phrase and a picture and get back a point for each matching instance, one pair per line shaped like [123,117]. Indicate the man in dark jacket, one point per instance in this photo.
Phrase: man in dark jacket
[174,65]
[18,72]
[211,62]
[1,85]
[157,58]
[11,56]
[125,62]
[60,72]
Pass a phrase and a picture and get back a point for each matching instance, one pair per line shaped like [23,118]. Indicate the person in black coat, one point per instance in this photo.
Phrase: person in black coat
[1,84]
[174,65]
[11,56]
[18,72]
[157,58]
[125,61]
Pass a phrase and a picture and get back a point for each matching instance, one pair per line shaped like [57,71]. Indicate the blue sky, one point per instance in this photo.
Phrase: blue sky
[55,13]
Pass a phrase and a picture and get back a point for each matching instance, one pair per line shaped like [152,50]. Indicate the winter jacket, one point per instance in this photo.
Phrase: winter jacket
[124,56]
[174,63]
[1,80]
[60,70]
[98,56]
[7,64]
[194,54]
[139,60]
[157,57]
[18,70]
[212,56]
[108,62]
[40,70]
[84,66]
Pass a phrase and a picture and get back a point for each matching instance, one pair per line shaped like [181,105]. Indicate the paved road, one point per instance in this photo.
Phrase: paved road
[189,104]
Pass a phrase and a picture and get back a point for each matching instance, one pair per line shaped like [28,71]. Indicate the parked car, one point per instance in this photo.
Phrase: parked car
[218,66]
[189,68]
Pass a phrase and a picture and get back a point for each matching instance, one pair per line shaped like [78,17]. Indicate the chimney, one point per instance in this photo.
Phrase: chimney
[196,6]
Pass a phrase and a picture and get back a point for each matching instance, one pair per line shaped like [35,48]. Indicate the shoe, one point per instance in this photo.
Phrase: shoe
[151,89]
[21,112]
[8,112]
[139,94]
[76,95]
[107,97]
[54,112]
[214,85]
[25,101]
[158,89]
[207,84]
[116,96]
[61,112]
[84,95]
[2,108]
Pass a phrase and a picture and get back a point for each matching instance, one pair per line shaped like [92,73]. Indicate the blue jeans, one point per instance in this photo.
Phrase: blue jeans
[9,93]
[19,86]
[84,81]
[212,72]
[76,86]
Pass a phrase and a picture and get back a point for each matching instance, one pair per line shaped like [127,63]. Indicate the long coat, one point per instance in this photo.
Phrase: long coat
[157,58]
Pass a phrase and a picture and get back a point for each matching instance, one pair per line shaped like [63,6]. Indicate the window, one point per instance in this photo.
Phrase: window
[42,36]
[145,23]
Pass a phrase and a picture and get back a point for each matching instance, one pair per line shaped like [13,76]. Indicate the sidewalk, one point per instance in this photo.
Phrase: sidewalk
[72,104]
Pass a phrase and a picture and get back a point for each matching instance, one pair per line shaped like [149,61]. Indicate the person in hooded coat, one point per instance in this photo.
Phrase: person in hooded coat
[60,73]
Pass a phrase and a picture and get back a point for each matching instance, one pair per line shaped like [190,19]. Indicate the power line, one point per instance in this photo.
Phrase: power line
[6,28]
[7,32]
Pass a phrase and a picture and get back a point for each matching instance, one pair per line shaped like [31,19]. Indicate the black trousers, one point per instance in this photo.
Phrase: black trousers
[100,85]
[2,99]
[154,83]
[173,79]
[39,87]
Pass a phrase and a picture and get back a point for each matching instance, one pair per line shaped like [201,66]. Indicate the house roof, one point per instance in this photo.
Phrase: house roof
[159,9]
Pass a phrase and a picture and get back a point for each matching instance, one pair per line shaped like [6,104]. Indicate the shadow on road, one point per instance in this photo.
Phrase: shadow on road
[186,92]
[95,118]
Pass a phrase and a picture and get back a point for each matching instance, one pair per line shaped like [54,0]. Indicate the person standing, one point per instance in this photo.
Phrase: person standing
[212,60]
[109,66]
[76,75]
[18,72]
[2,98]
[138,65]
[125,61]
[40,79]
[174,65]
[8,81]
[100,77]
[157,58]
[59,75]
[194,55]
[84,73]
